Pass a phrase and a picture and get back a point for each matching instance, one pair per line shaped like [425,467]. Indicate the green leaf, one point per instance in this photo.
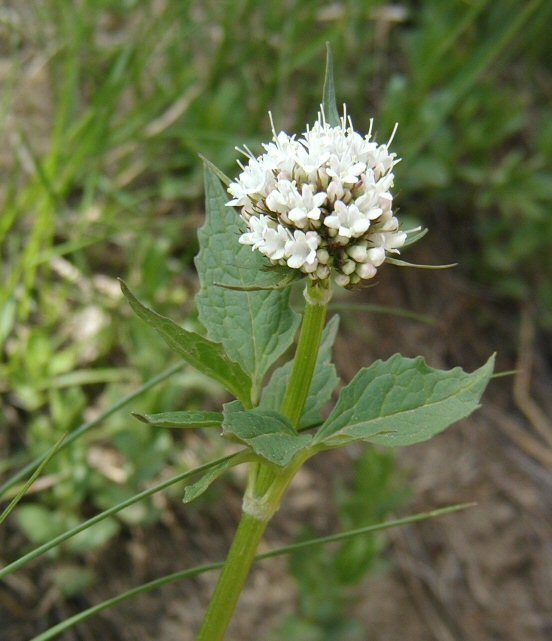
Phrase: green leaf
[268,433]
[38,523]
[404,263]
[329,102]
[218,172]
[197,488]
[287,277]
[410,240]
[254,327]
[324,381]
[94,536]
[181,419]
[402,401]
[205,355]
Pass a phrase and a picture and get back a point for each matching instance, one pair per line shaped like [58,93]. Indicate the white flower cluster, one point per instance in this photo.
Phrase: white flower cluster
[321,203]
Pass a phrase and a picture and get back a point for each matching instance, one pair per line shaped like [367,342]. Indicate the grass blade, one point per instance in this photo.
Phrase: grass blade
[382,309]
[201,569]
[45,547]
[32,479]
[481,60]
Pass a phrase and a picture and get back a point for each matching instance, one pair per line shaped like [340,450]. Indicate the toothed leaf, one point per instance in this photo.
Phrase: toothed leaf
[402,401]
[268,433]
[254,327]
[205,355]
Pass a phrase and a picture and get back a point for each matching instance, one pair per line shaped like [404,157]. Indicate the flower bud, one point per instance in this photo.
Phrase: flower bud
[348,267]
[342,280]
[376,255]
[322,272]
[366,271]
[335,191]
[358,253]
[323,256]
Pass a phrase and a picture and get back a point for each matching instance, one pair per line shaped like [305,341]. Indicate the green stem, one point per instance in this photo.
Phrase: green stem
[307,353]
[231,581]
[265,486]
[258,511]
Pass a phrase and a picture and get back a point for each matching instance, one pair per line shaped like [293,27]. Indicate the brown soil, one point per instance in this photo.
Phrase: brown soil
[481,575]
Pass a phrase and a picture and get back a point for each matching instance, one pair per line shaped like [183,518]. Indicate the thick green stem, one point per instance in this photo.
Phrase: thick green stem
[257,512]
[265,486]
[231,581]
[307,353]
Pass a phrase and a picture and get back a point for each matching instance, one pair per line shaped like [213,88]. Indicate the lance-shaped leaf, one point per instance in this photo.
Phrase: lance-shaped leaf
[404,263]
[205,355]
[329,101]
[415,237]
[402,401]
[184,420]
[193,490]
[324,381]
[268,433]
[255,327]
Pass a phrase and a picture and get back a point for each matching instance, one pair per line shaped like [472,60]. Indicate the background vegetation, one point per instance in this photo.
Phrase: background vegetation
[105,105]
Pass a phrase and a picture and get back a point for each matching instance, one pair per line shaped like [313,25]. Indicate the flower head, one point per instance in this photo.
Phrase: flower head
[321,202]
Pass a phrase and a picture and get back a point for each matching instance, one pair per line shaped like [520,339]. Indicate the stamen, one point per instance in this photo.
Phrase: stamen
[274,135]
[393,133]
[249,152]
[369,134]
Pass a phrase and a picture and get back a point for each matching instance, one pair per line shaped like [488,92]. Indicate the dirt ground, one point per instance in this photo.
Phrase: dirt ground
[481,575]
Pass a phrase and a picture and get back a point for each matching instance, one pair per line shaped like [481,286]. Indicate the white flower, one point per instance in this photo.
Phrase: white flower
[280,154]
[283,197]
[349,221]
[256,234]
[253,180]
[307,205]
[381,161]
[275,242]
[322,202]
[344,170]
[389,241]
[311,156]
[301,250]
[367,204]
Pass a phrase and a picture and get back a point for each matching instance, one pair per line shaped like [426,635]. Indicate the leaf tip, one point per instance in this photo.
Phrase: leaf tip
[141,417]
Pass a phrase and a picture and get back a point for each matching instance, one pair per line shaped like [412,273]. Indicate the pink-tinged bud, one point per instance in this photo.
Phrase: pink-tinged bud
[342,280]
[366,271]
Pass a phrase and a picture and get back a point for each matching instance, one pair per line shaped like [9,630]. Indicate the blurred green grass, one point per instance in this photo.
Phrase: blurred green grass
[105,105]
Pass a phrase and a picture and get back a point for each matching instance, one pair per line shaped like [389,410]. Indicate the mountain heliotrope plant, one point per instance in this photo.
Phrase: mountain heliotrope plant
[316,207]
